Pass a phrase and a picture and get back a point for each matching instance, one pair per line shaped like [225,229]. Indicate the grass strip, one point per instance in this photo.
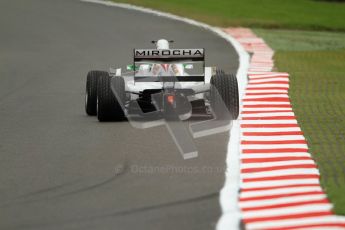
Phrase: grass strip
[291,14]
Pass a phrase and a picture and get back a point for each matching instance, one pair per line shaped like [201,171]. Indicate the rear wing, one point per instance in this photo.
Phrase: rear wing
[185,57]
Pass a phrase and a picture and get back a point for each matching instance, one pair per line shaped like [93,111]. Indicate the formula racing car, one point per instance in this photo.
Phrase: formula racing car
[173,83]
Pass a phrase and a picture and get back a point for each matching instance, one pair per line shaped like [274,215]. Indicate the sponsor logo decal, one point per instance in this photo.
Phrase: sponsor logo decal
[172,53]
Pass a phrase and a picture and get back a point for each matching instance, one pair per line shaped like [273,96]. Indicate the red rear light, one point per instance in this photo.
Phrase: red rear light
[171,99]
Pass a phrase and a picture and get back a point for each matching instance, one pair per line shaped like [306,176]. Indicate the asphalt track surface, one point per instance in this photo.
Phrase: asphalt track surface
[60,169]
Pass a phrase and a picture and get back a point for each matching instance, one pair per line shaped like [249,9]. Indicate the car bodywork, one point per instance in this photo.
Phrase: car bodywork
[165,80]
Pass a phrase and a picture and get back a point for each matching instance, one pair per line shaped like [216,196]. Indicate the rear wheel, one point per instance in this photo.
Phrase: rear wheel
[91,92]
[224,93]
[108,105]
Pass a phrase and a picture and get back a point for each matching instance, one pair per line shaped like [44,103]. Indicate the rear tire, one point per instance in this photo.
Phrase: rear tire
[227,88]
[108,105]
[91,92]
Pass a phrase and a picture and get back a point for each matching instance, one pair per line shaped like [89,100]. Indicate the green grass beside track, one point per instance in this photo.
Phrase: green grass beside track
[314,59]
[318,97]
[316,63]
[294,14]
[296,40]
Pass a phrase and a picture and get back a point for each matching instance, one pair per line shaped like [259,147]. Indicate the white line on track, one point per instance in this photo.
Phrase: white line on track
[273,138]
[279,163]
[269,114]
[265,103]
[267,95]
[269,122]
[270,79]
[288,210]
[281,200]
[267,109]
[273,155]
[265,129]
[269,183]
[283,91]
[281,191]
[284,172]
[296,222]
[273,146]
